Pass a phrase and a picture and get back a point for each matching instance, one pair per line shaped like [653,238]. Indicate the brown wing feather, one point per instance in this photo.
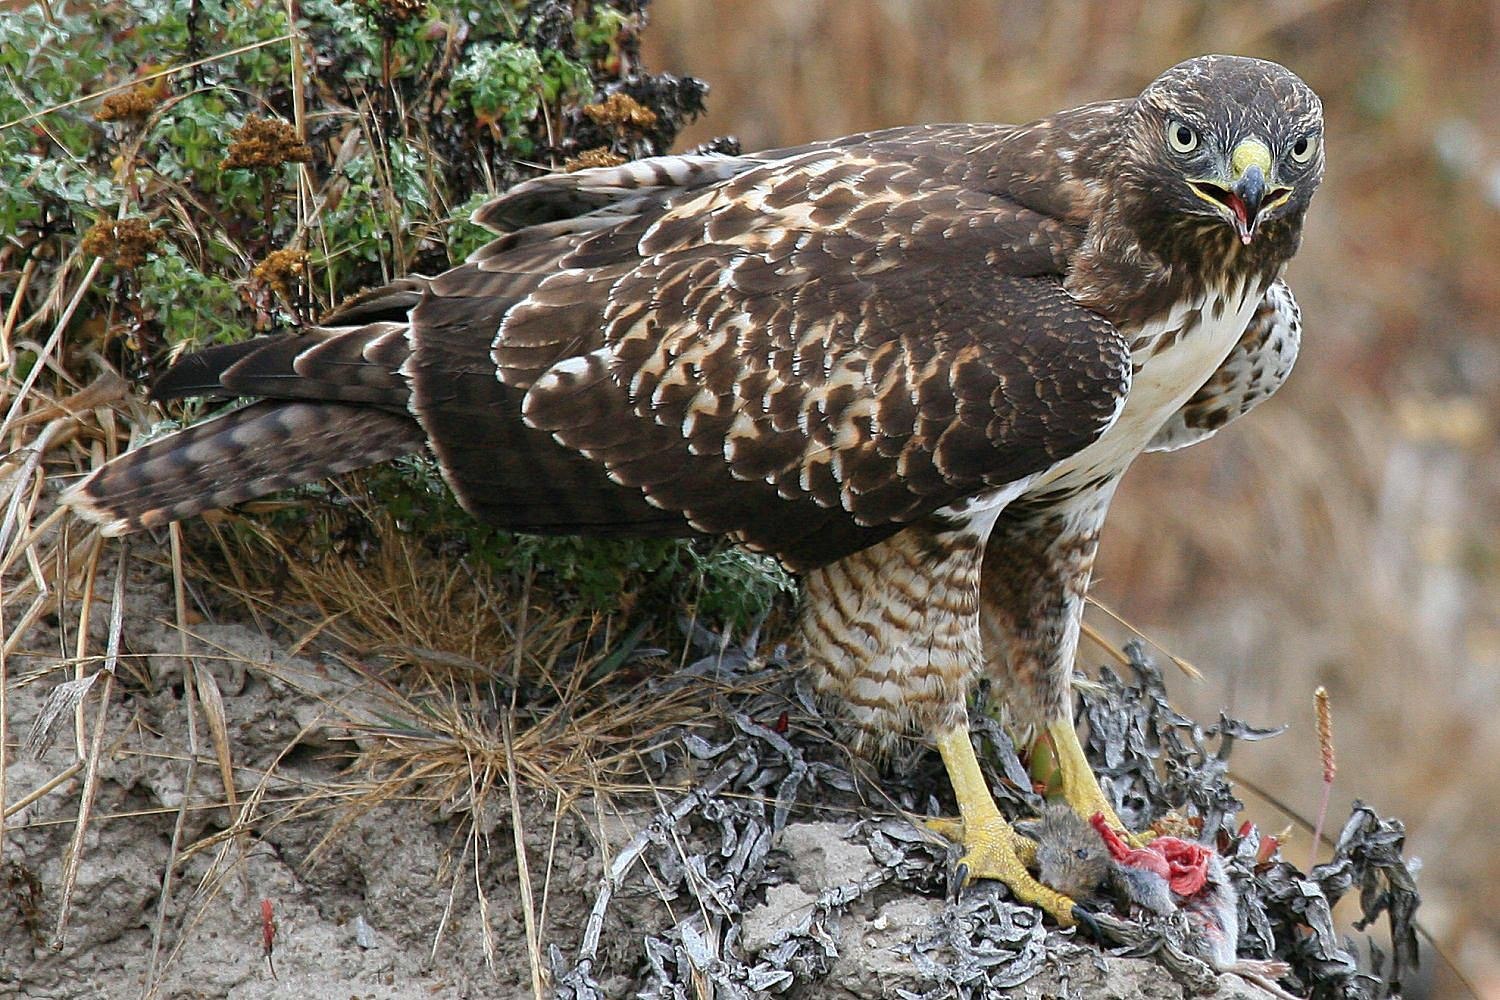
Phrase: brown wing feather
[198,374]
[626,189]
[501,469]
[726,373]
[359,365]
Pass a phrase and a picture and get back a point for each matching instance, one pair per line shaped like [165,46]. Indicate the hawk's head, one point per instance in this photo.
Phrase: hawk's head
[1223,148]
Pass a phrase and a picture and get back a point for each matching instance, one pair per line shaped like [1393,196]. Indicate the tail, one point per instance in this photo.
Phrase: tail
[265,447]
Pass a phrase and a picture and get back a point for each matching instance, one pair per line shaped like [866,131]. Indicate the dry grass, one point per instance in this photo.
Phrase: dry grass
[471,694]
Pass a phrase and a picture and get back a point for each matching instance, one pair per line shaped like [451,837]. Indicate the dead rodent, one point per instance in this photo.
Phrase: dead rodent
[1070,855]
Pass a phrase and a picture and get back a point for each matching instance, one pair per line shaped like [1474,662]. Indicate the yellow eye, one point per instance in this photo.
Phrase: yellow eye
[1181,138]
[1304,148]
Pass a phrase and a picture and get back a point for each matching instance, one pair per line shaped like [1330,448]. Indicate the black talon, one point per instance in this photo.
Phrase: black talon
[957,881]
[1087,923]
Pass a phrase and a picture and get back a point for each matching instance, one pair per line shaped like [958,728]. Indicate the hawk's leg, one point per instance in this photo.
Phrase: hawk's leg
[992,849]
[891,633]
[1080,789]
[1035,576]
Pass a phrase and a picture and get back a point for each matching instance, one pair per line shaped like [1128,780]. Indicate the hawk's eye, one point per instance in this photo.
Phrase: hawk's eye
[1182,138]
[1303,148]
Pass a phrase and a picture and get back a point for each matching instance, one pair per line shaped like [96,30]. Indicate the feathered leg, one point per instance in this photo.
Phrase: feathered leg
[1036,571]
[859,614]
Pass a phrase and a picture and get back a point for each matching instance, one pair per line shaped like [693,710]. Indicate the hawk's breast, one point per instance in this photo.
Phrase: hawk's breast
[1170,358]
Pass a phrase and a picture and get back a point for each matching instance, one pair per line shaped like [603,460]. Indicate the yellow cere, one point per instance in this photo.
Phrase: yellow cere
[1250,153]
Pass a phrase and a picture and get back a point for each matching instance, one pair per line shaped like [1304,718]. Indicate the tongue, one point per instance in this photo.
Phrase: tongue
[1238,207]
[1241,216]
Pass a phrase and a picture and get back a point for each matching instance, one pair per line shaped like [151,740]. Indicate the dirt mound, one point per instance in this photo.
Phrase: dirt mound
[756,857]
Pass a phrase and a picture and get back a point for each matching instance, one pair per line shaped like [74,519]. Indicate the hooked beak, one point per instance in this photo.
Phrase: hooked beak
[1248,194]
[1244,201]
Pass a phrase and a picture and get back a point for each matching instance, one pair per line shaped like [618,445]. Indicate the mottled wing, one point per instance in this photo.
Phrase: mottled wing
[805,350]
[1255,369]
[818,351]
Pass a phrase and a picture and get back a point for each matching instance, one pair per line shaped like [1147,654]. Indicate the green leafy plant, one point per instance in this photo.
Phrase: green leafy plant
[240,172]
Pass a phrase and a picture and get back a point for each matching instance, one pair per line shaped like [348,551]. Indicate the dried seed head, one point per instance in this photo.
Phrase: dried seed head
[133,104]
[599,156]
[265,142]
[280,269]
[621,111]
[1325,733]
[121,242]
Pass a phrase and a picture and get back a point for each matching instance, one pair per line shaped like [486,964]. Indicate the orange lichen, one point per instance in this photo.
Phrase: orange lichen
[621,111]
[133,104]
[280,269]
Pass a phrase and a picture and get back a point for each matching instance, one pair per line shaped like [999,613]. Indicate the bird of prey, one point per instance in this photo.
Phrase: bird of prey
[911,364]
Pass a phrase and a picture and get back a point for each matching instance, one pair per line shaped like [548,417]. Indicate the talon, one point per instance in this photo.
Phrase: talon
[992,850]
[956,881]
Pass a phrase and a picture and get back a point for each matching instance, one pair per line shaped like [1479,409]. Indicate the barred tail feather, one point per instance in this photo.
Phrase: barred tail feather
[260,449]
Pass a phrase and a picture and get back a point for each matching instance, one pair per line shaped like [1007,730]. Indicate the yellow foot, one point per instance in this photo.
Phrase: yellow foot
[991,848]
[952,829]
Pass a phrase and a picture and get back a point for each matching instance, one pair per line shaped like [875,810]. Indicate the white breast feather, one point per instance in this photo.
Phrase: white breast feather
[1166,380]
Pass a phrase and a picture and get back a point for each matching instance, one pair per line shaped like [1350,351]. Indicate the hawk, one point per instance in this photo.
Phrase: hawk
[911,364]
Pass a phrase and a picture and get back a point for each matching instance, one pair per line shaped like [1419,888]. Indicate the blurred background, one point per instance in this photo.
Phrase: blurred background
[1348,534]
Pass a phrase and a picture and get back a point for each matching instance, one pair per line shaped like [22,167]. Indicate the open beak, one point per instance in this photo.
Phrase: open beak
[1248,194]
[1244,201]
